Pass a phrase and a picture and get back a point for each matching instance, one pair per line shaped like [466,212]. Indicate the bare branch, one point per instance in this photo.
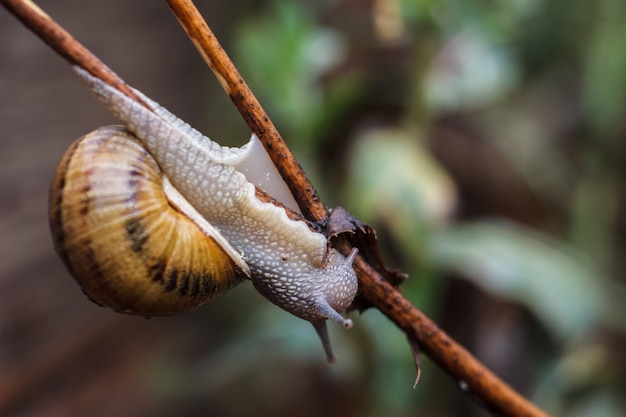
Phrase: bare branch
[228,76]
[471,375]
[64,44]
[437,344]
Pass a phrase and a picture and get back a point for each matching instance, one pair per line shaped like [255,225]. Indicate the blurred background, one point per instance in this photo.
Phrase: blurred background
[485,142]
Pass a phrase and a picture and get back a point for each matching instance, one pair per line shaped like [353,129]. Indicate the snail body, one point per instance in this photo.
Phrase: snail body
[155,219]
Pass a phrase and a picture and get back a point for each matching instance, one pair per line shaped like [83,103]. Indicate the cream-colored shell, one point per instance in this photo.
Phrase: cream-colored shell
[128,237]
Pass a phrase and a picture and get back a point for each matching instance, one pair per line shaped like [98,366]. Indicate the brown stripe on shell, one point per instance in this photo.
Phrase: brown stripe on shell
[171,281]
[156,271]
[183,287]
[55,198]
[136,234]
[56,212]
[125,244]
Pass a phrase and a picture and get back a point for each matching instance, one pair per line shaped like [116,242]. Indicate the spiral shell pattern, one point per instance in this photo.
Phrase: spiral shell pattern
[129,245]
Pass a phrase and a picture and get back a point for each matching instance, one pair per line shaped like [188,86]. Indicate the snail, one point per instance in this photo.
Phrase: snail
[154,218]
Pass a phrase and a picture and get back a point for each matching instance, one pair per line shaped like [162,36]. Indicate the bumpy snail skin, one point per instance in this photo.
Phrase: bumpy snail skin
[287,262]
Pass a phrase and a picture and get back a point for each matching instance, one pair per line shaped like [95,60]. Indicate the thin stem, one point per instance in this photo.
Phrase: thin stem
[65,44]
[472,376]
[62,42]
[458,362]
[436,343]
[249,107]
[443,350]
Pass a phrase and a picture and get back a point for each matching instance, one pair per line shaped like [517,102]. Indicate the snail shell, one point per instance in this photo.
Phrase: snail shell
[125,234]
[156,219]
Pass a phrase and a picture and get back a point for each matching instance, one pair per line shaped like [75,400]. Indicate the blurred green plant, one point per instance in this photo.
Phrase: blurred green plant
[543,84]
[284,55]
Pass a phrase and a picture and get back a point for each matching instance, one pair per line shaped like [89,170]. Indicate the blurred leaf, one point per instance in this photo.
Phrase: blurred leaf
[586,373]
[600,403]
[284,55]
[469,71]
[393,178]
[509,261]
[605,81]
[395,182]
[496,18]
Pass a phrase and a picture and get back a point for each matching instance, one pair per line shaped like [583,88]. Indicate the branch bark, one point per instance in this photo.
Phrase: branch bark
[471,375]
[249,107]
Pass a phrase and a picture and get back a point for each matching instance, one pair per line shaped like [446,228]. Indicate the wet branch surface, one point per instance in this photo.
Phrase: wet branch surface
[471,375]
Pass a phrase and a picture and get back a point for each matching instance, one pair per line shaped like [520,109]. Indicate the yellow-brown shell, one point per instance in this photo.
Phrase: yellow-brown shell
[129,246]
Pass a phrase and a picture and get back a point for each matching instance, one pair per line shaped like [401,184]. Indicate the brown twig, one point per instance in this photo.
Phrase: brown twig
[64,44]
[458,362]
[75,53]
[228,76]
[470,373]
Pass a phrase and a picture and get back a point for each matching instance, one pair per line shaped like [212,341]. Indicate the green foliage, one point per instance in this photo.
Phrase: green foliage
[510,261]
[398,179]
[283,56]
[541,86]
